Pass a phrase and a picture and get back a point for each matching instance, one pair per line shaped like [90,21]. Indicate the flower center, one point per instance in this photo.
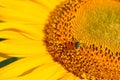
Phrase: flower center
[84,37]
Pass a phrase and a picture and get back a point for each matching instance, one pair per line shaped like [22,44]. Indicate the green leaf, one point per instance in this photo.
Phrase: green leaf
[2,39]
[8,61]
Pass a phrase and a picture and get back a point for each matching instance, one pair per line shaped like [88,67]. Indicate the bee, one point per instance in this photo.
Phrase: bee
[71,45]
[77,45]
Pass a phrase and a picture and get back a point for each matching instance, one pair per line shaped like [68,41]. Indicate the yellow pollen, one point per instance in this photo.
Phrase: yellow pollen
[84,37]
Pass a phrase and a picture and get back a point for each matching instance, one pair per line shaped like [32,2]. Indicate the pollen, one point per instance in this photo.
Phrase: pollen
[84,37]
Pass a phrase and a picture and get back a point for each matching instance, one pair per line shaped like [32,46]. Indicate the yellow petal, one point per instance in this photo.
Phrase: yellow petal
[42,73]
[50,4]
[68,76]
[14,35]
[18,48]
[57,75]
[22,39]
[33,31]
[77,78]
[17,10]
[2,58]
[19,67]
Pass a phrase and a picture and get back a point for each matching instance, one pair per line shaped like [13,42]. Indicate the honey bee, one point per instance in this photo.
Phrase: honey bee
[77,45]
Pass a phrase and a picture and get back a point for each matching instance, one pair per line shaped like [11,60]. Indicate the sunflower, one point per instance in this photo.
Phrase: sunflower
[60,39]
